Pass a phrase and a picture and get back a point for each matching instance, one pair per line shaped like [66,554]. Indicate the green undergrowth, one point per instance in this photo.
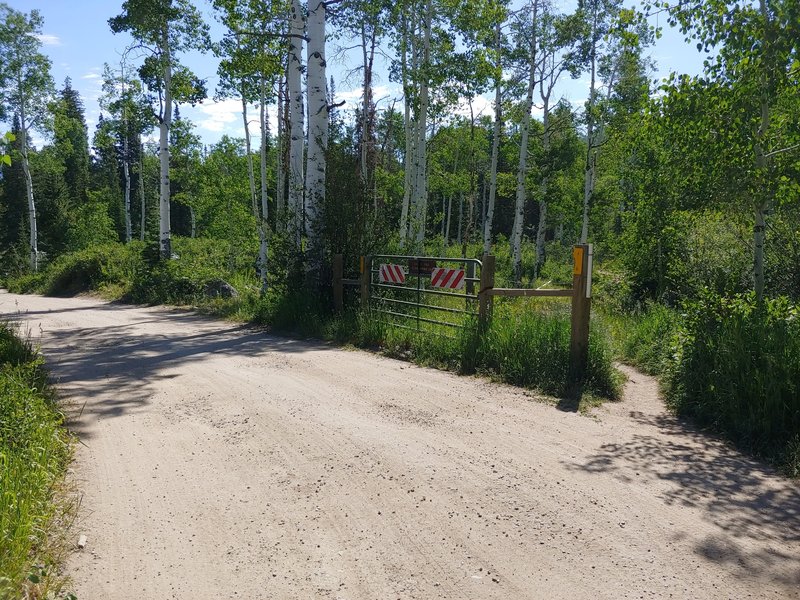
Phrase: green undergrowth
[727,363]
[737,371]
[34,453]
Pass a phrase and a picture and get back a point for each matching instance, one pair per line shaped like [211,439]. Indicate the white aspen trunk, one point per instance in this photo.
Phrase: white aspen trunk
[522,168]
[421,187]
[125,164]
[541,230]
[487,226]
[164,233]
[460,218]
[34,232]
[251,175]
[588,178]
[762,162]
[317,136]
[409,150]
[193,217]
[263,227]
[280,176]
[143,216]
[264,123]
[294,78]
[127,172]
[449,215]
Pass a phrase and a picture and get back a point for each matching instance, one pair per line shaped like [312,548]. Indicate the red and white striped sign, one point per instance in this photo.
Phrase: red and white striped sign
[452,279]
[391,274]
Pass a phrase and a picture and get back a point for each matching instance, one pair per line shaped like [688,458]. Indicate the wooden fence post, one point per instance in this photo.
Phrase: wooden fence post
[338,288]
[366,277]
[581,310]
[487,283]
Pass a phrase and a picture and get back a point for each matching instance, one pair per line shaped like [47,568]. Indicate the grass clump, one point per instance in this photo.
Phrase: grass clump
[737,371]
[34,453]
[645,339]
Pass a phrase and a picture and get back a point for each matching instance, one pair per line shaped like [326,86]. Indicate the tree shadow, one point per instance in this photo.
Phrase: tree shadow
[114,367]
[756,510]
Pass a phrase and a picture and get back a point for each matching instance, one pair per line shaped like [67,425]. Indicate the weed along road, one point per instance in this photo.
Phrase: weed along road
[221,462]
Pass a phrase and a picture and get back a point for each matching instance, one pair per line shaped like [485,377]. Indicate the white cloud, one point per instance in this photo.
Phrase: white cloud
[221,115]
[48,39]
[91,76]
[480,106]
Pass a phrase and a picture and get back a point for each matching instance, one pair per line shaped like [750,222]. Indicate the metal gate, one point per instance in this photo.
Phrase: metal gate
[423,292]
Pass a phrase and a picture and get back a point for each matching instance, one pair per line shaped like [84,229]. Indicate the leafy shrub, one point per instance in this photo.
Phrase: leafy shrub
[737,370]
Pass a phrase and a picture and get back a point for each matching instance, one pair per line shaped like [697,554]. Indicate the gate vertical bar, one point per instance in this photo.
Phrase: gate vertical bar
[581,311]
[419,295]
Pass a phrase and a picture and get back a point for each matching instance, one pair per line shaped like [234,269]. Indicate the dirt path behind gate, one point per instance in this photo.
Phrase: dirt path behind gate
[220,462]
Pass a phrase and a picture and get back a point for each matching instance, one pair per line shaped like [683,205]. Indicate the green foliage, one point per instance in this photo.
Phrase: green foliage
[645,339]
[91,225]
[34,452]
[737,371]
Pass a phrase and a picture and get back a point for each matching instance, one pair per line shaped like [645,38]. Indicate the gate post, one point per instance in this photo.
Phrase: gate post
[366,277]
[581,310]
[487,283]
[338,289]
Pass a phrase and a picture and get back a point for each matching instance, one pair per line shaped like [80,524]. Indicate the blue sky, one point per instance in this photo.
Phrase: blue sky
[78,41]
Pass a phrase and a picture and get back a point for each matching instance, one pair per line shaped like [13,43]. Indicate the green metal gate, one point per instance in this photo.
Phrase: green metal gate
[416,303]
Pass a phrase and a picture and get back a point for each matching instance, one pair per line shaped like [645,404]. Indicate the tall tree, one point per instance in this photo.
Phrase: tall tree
[598,17]
[165,28]
[522,166]
[294,79]
[25,90]
[747,99]
[131,117]
[71,141]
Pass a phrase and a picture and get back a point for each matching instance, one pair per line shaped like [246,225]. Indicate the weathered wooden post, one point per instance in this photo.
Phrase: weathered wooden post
[338,286]
[487,283]
[366,277]
[581,310]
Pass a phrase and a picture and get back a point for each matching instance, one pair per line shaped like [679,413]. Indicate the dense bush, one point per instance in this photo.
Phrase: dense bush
[737,370]
[34,451]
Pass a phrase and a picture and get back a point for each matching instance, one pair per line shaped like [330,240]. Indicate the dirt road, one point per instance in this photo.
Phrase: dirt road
[220,462]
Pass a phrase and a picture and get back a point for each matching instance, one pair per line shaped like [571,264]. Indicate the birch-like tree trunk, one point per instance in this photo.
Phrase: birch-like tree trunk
[143,215]
[588,177]
[251,174]
[164,233]
[263,227]
[541,230]
[409,149]
[280,153]
[294,78]
[487,226]
[126,161]
[34,232]
[317,136]
[449,215]
[522,168]
[420,198]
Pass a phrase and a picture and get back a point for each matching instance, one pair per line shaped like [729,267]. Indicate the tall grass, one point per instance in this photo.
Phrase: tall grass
[737,370]
[645,339]
[34,452]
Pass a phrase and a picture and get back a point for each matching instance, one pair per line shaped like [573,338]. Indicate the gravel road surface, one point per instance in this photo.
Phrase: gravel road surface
[221,462]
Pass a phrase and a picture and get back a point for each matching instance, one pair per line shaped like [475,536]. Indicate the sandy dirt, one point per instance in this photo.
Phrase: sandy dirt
[220,462]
